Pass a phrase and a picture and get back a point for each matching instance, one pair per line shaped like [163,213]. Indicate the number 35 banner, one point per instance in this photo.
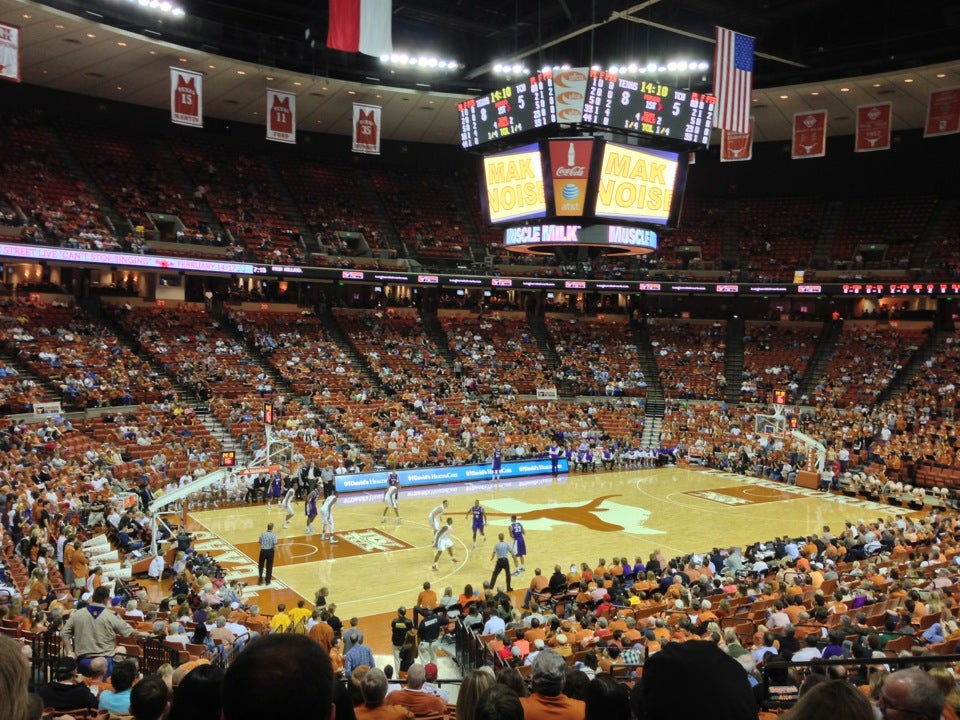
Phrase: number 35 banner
[186,97]
[366,129]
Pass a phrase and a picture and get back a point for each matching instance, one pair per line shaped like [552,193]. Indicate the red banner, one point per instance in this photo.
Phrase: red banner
[809,135]
[736,146]
[281,116]
[366,129]
[9,52]
[943,113]
[186,97]
[873,127]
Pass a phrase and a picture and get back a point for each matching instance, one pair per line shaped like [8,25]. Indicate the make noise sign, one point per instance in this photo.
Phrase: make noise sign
[281,116]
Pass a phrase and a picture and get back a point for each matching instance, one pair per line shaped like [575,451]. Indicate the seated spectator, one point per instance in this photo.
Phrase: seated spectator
[118,700]
[149,698]
[67,690]
[414,698]
[279,677]
[373,689]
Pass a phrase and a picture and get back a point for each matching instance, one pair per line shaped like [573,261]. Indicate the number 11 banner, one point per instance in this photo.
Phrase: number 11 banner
[281,116]
[186,98]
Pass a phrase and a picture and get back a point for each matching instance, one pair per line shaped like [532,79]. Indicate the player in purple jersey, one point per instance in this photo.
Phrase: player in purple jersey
[519,545]
[497,463]
[479,522]
[276,490]
[391,497]
[310,508]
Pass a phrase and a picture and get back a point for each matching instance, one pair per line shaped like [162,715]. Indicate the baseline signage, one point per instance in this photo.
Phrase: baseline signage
[443,475]
[559,234]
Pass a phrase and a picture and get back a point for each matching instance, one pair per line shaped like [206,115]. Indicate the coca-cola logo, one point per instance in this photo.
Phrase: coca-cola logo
[571,171]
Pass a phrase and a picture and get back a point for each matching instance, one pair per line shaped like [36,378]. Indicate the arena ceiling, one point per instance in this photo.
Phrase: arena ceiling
[813,54]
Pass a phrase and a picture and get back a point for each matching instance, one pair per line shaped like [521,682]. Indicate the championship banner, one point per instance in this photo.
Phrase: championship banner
[809,135]
[281,116]
[9,52]
[186,97]
[736,146]
[366,129]
[943,113]
[873,127]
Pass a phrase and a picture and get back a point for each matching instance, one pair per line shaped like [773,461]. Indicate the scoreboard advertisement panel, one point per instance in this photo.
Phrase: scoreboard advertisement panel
[574,179]
[513,181]
[640,185]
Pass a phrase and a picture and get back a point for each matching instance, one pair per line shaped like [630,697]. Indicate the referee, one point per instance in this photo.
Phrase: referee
[268,541]
[501,551]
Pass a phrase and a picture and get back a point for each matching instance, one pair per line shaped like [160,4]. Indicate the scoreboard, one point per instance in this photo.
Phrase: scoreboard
[648,107]
[509,110]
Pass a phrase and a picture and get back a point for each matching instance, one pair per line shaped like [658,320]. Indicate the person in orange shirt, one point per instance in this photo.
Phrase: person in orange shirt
[321,632]
[426,601]
[80,565]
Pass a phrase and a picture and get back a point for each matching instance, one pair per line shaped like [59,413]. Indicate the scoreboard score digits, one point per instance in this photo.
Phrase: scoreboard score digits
[648,107]
[509,110]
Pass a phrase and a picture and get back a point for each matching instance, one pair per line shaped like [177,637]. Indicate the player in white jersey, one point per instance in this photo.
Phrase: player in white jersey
[443,540]
[287,505]
[326,517]
[436,516]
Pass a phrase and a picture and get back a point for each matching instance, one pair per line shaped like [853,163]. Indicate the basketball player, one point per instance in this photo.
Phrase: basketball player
[479,521]
[391,497]
[497,463]
[436,516]
[326,517]
[275,491]
[519,545]
[310,508]
[287,505]
[443,540]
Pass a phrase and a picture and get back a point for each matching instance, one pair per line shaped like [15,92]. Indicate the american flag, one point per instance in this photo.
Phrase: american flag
[733,80]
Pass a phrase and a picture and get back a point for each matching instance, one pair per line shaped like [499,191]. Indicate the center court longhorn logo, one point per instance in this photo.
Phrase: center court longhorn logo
[616,516]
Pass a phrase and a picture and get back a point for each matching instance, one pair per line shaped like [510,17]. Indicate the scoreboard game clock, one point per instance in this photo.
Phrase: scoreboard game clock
[507,111]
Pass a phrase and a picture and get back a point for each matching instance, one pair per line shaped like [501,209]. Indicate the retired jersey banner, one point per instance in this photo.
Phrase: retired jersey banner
[736,146]
[366,129]
[281,116]
[10,52]
[873,127]
[186,97]
[809,135]
[943,113]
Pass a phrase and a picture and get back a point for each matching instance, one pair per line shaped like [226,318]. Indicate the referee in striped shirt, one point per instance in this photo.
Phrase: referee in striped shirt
[268,541]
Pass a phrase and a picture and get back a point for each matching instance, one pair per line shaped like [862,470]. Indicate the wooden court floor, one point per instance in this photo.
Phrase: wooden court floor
[576,518]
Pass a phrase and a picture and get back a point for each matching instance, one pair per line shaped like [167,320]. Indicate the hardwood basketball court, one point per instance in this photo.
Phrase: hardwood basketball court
[577,518]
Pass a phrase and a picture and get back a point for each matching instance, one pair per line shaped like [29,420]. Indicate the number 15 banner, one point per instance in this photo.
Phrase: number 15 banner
[186,97]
